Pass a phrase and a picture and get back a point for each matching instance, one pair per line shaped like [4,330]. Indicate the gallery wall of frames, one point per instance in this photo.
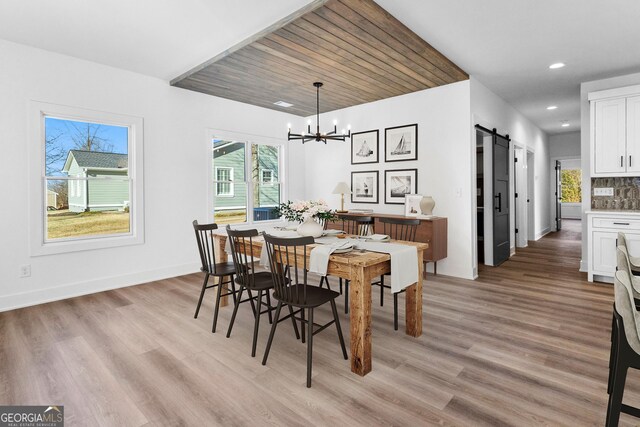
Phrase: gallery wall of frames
[400,145]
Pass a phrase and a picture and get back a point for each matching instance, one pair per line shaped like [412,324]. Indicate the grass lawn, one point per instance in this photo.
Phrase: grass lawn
[230,217]
[64,223]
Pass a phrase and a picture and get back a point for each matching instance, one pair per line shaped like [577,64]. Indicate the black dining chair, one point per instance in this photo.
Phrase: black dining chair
[292,289]
[359,226]
[251,280]
[397,229]
[219,270]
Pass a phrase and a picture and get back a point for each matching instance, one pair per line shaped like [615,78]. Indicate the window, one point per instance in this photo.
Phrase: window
[91,161]
[224,184]
[266,177]
[571,185]
[246,180]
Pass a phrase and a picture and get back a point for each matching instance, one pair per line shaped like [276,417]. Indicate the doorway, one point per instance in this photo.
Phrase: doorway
[520,196]
[531,223]
[566,181]
[493,181]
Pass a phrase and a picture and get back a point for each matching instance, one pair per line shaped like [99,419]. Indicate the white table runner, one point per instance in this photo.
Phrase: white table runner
[404,258]
[404,262]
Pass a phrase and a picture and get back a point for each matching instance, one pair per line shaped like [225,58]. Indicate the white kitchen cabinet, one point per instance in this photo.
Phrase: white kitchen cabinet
[615,132]
[633,134]
[610,136]
[603,228]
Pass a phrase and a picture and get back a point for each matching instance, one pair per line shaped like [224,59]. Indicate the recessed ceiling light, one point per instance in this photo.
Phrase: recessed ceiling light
[283,104]
[565,125]
[556,65]
[552,107]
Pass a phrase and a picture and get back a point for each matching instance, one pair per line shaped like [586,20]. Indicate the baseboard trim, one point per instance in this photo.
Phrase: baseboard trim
[584,267]
[43,296]
[543,233]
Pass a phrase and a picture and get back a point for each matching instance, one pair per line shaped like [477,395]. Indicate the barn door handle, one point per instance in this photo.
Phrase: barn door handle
[499,197]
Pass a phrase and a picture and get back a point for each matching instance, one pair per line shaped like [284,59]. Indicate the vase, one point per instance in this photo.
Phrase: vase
[426,205]
[310,227]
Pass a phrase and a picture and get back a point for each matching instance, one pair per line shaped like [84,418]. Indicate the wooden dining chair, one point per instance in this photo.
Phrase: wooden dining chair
[292,289]
[219,270]
[397,229]
[359,226]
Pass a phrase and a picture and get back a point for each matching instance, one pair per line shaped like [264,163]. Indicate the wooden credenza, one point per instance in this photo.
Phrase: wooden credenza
[432,231]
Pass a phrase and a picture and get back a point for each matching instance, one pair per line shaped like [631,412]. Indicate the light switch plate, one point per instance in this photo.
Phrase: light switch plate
[603,191]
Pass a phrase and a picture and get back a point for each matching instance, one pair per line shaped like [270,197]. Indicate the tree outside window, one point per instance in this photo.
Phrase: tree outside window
[571,185]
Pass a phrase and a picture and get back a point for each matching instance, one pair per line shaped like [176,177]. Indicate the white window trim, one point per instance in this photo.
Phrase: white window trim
[231,192]
[262,181]
[247,139]
[37,211]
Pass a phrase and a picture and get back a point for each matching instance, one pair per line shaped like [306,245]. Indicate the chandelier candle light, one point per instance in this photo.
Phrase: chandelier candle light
[318,136]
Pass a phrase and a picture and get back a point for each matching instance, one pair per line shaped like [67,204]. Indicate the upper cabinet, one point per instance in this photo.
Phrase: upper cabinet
[615,132]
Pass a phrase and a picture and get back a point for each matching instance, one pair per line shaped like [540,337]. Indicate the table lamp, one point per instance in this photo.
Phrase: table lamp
[342,188]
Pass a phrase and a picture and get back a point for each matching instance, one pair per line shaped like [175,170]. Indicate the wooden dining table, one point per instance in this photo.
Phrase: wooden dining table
[360,268]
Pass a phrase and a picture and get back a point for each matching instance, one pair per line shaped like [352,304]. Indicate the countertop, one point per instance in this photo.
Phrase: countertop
[612,212]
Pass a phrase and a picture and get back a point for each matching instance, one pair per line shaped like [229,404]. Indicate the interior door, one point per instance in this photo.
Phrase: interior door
[558,196]
[515,195]
[501,234]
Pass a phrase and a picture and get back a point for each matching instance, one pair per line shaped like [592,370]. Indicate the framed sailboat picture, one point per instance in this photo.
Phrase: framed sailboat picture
[364,187]
[399,183]
[401,143]
[364,147]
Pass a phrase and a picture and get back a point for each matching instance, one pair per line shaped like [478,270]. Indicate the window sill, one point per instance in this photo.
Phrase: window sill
[60,247]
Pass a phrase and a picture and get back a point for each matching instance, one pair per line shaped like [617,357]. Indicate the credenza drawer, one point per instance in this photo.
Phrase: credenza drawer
[617,223]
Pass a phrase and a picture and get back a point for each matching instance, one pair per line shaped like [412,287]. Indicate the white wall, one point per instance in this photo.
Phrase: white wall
[491,111]
[585,126]
[176,159]
[565,145]
[444,162]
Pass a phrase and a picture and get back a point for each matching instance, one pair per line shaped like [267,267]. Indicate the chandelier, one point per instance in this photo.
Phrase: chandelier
[318,136]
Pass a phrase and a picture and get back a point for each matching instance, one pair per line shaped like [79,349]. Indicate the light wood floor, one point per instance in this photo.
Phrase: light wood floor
[527,343]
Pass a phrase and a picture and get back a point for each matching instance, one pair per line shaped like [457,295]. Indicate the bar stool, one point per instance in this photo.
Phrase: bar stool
[634,262]
[625,347]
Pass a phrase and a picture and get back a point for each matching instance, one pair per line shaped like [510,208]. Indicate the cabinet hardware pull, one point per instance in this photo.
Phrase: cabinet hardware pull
[620,223]
[621,160]
[629,161]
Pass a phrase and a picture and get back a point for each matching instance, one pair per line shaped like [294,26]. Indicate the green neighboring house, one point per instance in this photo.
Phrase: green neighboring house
[229,166]
[98,195]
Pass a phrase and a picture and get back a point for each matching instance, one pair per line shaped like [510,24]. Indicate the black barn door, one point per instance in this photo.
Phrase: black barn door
[501,226]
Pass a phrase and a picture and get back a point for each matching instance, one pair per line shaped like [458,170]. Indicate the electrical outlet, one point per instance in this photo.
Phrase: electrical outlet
[25,270]
[603,191]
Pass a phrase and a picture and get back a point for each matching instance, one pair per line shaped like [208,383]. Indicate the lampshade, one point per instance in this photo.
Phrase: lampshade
[342,188]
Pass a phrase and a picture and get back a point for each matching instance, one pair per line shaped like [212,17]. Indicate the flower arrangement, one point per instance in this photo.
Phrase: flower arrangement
[302,210]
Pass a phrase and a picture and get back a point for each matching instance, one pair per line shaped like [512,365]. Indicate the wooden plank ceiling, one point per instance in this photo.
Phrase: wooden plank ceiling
[356,48]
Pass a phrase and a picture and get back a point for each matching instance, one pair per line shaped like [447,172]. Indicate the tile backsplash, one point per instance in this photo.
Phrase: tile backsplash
[626,193]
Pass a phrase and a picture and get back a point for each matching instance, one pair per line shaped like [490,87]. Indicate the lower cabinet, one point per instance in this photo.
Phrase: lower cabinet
[603,234]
